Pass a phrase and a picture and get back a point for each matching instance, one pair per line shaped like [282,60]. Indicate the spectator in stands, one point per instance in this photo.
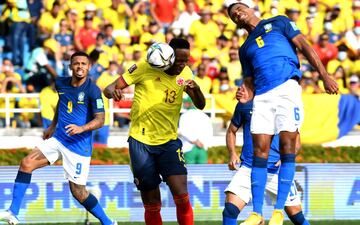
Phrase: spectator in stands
[202,80]
[27,119]
[39,70]
[352,40]
[65,37]
[20,18]
[96,69]
[293,13]
[72,18]
[234,67]
[49,21]
[354,86]
[117,15]
[107,53]
[108,32]
[186,18]
[154,34]
[325,50]
[8,75]
[195,139]
[224,82]
[333,38]
[10,82]
[48,100]
[139,20]
[341,60]
[86,36]
[204,26]
[164,12]
[90,11]
[100,136]
[35,9]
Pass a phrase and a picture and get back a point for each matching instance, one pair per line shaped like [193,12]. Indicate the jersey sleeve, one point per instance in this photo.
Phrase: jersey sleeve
[96,101]
[288,27]
[135,73]
[237,120]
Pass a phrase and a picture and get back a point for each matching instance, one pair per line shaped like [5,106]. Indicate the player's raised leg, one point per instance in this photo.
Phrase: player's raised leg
[34,160]
[90,202]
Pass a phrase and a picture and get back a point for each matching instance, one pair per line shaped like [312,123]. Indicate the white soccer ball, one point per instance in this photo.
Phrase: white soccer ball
[160,56]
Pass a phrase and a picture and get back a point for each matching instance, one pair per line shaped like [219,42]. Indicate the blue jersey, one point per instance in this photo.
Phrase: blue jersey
[77,105]
[242,117]
[268,54]
[64,39]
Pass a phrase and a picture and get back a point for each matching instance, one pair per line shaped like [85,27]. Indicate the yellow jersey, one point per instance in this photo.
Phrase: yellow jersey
[157,103]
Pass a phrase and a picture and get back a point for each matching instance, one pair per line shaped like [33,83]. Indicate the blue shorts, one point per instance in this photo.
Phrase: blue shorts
[148,162]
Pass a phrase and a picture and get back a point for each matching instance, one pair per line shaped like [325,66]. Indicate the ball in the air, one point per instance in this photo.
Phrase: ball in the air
[160,56]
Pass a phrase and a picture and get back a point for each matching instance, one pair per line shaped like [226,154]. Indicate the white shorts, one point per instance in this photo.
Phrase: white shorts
[280,109]
[240,185]
[76,167]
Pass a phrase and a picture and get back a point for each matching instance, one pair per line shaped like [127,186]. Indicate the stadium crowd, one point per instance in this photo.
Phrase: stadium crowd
[38,37]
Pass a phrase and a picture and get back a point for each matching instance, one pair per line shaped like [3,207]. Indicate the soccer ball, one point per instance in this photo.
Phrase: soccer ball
[160,56]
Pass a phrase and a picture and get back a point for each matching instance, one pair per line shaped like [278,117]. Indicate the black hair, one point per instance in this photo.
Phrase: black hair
[180,43]
[233,4]
[79,53]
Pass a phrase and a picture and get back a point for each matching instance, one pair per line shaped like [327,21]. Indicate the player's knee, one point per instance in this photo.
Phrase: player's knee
[79,192]
[230,211]
[27,164]
[146,184]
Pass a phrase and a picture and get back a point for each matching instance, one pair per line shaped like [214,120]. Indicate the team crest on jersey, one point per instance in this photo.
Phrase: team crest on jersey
[180,81]
[268,27]
[132,68]
[81,97]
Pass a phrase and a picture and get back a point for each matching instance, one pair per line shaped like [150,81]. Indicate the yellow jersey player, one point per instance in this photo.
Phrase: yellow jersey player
[153,141]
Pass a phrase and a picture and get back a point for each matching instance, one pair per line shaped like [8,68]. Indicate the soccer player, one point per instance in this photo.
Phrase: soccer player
[238,192]
[80,110]
[271,73]
[153,141]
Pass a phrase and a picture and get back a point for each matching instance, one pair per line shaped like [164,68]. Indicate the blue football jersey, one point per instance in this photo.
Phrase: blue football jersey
[268,54]
[77,105]
[242,117]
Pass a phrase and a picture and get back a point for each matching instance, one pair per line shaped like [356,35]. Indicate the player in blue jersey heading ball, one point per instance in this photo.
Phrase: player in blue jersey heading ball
[238,192]
[271,78]
[80,110]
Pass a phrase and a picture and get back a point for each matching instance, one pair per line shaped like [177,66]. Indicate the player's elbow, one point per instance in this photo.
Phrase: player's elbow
[200,105]
[107,92]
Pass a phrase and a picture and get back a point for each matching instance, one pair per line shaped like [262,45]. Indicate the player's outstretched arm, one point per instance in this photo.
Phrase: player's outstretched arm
[331,87]
[230,144]
[195,93]
[97,122]
[51,129]
[113,90]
